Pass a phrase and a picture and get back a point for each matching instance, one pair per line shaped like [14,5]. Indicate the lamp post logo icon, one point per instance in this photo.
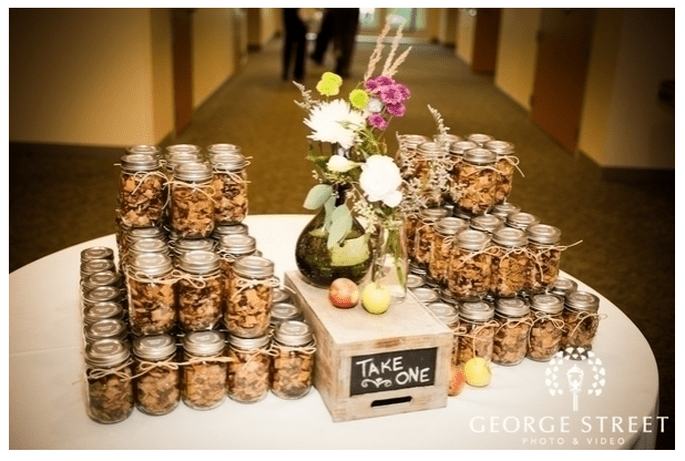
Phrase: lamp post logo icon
[576,364]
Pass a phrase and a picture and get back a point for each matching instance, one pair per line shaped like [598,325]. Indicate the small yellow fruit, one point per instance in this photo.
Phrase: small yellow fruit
[477,372]
[376,298]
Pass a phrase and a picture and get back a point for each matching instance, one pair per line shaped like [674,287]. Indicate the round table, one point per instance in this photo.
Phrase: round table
[528,406]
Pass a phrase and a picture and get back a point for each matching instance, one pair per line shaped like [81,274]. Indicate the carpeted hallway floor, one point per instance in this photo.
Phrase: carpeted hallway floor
[63,195]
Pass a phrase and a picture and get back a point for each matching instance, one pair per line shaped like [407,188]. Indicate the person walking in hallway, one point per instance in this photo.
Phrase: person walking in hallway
[294,44]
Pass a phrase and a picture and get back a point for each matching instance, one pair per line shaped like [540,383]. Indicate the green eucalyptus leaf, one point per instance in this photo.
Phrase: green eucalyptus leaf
[341,223]
[329,206]
[317,196]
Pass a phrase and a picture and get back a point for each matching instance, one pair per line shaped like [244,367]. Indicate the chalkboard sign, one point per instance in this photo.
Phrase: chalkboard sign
[392,370]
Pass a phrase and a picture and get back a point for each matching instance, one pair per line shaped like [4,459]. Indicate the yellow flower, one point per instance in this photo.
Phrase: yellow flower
[359,98]
[331,77]
[327,87]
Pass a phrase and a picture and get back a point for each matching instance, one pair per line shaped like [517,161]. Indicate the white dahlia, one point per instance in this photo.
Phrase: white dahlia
[335,122]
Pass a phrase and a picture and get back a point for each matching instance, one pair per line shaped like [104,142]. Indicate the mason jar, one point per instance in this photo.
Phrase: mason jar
[192,204]
[449,316]
[175,150]
[477,330]
[548,327]
[109,396]
[284,312]
[470,267]
[151,291]
[443,244]
[511,334]
[406,154]
[149,245]
[457,150]
[131,235]
[199,290]
[426,295]
[229,182]
[292,365]
[581,320]
[229,229]
[563,286]
[184,245]
[477,181]
[247,313]
[248,368]
[521,220]
[425,234]
[105,329]
[177,158]
[222,148]
[430,156]
[545,256]
[510,262]
[229,248]
[506,162]
[204,370]
[158,378]
[487,223]
[141,190]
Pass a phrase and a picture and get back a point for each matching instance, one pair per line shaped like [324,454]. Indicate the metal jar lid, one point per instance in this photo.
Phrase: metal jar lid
[132,163]
[96,265]
[548,304]
[150,245]
[253,267]
[221,148]
[543,233]
[472,239]
[151,264]
[145,149]
[229,229]
[426,295]
[204,343]
[179,158]
[479,311]
[503,210]
[154,347]
[449,315]
[282,311]
[432,214]
[228,161]
[92,253]
[522,220]
[281,295]
[102,279]
[447,139]
[102,311]
[479,138]
[106,329]
[459,147]
[193,172]
[237,244]
[293,333]
[183,245]
[581,301]
[248,344]
[183,149]
[500,147]
[563,286]
[510,237]
[199,262]
[107,353]
[486,223]
[450,225]
[415,281]
[480,156]
[102,294]
[430,150]
[512,307]
[138,233]
[413,140]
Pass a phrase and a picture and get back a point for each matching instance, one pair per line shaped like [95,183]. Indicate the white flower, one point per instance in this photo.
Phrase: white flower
[335,122]
[380,180]
[340,164]
[375,105]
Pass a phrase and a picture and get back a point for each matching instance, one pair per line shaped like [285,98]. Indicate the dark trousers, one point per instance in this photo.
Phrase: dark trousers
[295,42]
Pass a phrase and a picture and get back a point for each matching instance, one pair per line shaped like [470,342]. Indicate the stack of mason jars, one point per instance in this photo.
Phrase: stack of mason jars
[201,314]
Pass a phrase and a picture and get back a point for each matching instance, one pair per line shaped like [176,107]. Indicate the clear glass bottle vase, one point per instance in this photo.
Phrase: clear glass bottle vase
[391,260]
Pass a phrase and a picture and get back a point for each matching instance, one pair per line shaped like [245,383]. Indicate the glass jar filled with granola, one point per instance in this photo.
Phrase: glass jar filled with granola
[204,370]
[506,163]
[199,290]
[406,154]
[548,327]
[229,248]
[510,262]
[109,396]
[292,365]
[157,375]
[431,158]
[511,335]
[141,190]
[425,235]
[151,292]
[443,244]
[457,150]
[192,202]
[229,183]
[248,368]
[247,312]
[581,320]
[545,256]
[477,181]
[477,330]
[470,267]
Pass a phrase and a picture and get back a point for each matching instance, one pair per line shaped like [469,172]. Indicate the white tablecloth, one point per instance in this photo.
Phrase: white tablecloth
[522,408]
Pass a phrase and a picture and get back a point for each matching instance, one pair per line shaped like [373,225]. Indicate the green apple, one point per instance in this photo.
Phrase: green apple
[477,372]
[376,298]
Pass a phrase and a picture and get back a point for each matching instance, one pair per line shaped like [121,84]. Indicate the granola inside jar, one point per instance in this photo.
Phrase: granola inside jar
[142,192]
[158,378]
[406,154]
[457,150]
[292,365]
[425,234]
[229,248]
[430,158]
[470,267]
[548,327]
[247,312]
[511,335]
[151,292]
[477,181]
[581,320]
[109,381]
[510,262]
[545,256]
[229,182]
[449,316]
[506,163]
[199,290]
[248,368]
[192,202]
[443,244]
[204,370]
[476,330]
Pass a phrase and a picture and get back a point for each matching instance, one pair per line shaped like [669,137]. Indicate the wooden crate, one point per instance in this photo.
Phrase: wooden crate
[375,365]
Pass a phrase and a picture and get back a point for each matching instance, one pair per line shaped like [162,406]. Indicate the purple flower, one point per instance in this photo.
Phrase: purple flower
[404,91]
[372,84]
[391,94]
[375,84]
[384,81]
[377,120]
[396,109]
